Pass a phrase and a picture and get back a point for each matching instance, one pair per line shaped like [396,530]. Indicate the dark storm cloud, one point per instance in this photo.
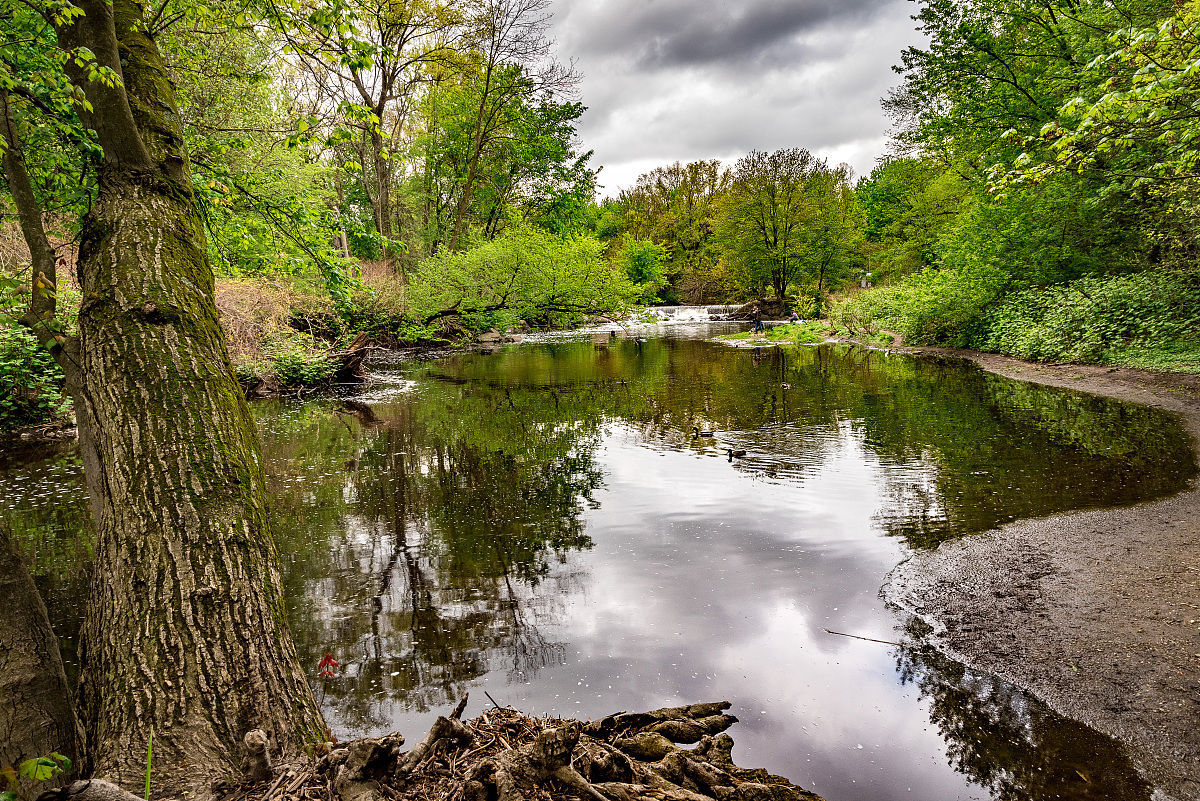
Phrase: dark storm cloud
[669,80]
[755,32]
[665,33]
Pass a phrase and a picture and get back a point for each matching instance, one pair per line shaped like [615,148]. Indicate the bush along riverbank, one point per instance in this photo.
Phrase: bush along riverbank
[291,333]
[1148,320]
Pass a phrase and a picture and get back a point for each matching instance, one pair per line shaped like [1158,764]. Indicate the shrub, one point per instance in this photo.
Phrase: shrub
[30,380]
[932,307]
[263,319]
[524,274]
[1097,319]
[803,302]
[31,383]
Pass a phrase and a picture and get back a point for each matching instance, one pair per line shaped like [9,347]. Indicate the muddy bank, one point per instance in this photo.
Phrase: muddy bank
[1098,612]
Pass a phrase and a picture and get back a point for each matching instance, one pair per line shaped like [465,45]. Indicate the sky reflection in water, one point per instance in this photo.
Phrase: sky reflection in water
[552,534]
[540,524]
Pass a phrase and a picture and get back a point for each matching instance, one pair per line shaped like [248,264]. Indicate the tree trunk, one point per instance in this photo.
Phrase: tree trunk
[36,716]
[185,633]
[383,189]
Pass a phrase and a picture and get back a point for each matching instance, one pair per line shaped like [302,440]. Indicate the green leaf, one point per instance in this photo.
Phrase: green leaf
[39,769]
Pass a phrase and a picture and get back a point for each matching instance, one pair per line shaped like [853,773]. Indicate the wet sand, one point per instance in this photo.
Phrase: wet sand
[1097,612]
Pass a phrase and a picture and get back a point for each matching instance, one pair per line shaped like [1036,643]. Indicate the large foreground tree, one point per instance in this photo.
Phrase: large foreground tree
[184,635]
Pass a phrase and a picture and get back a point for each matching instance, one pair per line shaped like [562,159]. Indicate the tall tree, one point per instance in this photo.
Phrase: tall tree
[834,231]
[513,61]
[366,60]
[185,634]
[764,216]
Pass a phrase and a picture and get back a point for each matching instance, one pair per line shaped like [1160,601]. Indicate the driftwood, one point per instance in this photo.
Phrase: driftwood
[504,755]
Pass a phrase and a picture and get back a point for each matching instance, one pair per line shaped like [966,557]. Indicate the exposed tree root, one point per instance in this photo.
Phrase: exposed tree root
[506,756]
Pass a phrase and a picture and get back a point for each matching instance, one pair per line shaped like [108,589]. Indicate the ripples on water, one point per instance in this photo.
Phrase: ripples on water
[539,523]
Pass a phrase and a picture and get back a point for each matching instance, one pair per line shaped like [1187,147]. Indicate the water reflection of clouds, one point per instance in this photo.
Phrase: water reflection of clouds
[683,609]
[646,569]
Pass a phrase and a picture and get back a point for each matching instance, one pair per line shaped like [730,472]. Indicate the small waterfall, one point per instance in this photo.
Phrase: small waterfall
[693,314]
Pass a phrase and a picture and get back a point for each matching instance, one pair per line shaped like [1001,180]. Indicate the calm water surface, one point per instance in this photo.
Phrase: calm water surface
[540,524]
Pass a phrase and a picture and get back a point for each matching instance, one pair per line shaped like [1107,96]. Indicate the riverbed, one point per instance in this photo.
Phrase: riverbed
[541,525]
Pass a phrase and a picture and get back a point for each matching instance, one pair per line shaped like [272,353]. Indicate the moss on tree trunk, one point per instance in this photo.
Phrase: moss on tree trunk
[185,633]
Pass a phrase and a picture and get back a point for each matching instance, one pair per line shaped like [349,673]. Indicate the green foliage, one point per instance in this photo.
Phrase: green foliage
[676,207]
[643,262]
[30,380]
[525,274]
[1063,136]
[1099,319]
[1132,118]
[803,303]
[788,218]
[495,147]
[907,204]
[933,307]
[810,332]
[290,359]
[35,770]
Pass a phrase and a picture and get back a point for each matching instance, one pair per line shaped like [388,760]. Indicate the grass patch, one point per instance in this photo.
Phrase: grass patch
[790,333]
[807,333]
[1180,357]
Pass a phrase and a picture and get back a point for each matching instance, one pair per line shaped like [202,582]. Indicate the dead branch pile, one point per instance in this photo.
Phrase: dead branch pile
[504,755]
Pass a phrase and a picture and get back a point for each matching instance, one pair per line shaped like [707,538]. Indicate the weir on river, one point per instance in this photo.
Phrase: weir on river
[693,314]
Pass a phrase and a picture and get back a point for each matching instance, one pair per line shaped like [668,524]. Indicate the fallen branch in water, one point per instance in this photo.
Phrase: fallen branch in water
[856,637]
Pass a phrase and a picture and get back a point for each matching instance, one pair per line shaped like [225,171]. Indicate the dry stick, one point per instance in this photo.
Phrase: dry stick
[493,700]
[868,639]
[282,775]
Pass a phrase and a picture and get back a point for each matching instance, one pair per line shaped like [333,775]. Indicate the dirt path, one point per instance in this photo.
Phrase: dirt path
[1098,612]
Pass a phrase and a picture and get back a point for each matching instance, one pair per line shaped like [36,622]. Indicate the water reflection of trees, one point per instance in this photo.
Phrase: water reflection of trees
[420,538]
[962,450]
[1009,743]
[427,538]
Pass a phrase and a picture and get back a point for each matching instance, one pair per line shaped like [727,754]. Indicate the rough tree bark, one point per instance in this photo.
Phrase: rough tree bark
[185,633]
[36,716]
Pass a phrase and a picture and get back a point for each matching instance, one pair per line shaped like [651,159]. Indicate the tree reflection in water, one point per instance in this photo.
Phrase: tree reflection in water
[434,546]
[1010,743]
[438,532]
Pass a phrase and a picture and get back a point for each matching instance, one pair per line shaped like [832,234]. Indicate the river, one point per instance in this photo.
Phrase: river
[539,524]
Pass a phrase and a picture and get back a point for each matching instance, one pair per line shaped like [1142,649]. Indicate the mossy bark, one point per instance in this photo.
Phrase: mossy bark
[185,633]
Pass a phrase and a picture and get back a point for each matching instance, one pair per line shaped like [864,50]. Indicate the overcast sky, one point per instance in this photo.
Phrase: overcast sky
[681,80]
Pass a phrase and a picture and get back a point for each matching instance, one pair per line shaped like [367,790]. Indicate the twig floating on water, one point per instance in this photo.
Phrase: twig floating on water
[868,639]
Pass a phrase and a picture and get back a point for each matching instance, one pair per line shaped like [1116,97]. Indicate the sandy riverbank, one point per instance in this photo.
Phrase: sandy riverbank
[1097,612]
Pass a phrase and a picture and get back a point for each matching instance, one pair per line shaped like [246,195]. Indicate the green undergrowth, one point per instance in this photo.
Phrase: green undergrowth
[1177,358]
[289,359]
[1149,320]
[31,382]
